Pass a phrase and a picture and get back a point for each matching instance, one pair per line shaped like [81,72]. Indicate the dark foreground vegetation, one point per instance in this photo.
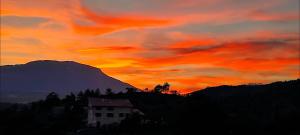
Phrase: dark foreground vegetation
[224,110]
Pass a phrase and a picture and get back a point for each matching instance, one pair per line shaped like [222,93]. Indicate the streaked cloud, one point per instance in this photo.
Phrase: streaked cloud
[22,22]
[190,43]
[106,23]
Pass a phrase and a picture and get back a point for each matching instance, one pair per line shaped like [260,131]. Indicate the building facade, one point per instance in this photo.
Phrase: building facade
[108,111]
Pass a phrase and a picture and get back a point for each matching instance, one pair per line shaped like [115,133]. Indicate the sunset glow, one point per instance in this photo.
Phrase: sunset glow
[192,44]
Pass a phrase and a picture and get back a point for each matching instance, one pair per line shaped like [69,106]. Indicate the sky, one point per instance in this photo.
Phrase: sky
[192,44]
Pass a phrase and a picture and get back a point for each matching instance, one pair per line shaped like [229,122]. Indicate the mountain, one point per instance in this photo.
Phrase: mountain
[271,96]
[244,109]
[272,90]
[33,80]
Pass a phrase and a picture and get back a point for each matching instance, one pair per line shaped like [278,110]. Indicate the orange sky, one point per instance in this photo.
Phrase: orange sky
[191,44]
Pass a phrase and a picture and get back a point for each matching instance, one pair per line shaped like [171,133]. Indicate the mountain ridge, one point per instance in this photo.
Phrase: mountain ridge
[43,76]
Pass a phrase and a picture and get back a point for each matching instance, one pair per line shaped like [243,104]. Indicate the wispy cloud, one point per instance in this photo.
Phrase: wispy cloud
[189,43]
[106,23]
[22,22]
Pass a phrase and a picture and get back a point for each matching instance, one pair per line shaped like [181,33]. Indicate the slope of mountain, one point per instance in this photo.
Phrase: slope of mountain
[33,80]
[273,90]
[245,109]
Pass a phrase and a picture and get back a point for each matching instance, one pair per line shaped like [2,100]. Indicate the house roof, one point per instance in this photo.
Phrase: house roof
[109,102]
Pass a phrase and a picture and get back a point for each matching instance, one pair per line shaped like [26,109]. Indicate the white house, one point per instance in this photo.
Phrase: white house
[108,111]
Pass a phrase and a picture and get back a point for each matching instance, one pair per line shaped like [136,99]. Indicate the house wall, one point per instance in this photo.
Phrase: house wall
[104,119]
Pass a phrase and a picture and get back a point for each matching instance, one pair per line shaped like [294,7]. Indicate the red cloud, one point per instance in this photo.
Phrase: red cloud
[109,23]
[265,16]
[107,49]
[254,55]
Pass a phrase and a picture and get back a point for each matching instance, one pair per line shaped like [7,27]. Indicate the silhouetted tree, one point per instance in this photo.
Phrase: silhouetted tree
[146,89]
[81,98]
[165,87]
[131,90]
[161,88]
[70,98]
[80,95]
[108,91]
[87,93]
[52,99]
[157,88]
[97,92]
[69,101]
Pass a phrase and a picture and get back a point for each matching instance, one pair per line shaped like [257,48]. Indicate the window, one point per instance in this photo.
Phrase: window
[110,108]
[110,115]
[98,107]
[98,114]
[121,114]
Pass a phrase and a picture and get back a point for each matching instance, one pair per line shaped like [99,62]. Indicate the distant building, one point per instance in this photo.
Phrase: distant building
[108,111]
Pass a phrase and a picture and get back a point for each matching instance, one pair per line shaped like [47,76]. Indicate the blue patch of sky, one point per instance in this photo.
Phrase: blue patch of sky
[23,41]
[22,22]
[245,26]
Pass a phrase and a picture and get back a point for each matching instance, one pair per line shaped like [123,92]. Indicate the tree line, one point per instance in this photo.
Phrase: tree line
[227,110]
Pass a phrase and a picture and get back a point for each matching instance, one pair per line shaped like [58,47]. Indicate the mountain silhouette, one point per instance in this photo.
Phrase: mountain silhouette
[33,80]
